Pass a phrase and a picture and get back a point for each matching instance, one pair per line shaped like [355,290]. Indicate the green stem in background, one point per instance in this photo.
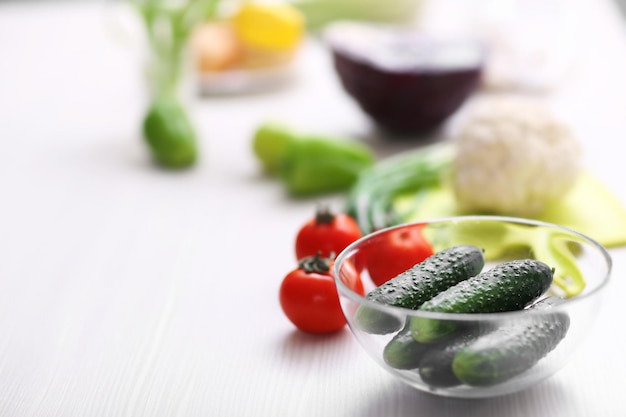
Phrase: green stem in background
[168,28]
[167,130]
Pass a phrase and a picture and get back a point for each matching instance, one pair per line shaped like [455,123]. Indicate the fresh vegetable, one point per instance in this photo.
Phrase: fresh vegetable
[371,198]
[270,143]
[406,81]
[436,364]
[398,251]
[403,351]
[269,26]
[166,127]
[545,164]
[308,295]
[407,188]
[318,164]
[429,277]
[507,286]
[310,164]
[327,233]
[418,284]
[169,133]
[513,157]
[510,350]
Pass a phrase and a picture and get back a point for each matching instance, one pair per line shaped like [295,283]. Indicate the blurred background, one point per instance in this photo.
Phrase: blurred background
[133,192]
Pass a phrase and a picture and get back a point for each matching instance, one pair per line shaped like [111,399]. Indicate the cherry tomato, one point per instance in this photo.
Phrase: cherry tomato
[397,251]
[326,233]
[308,295]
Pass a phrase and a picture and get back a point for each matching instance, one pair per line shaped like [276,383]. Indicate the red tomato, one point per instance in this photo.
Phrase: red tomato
[398,251]
[326,233]
[308,295]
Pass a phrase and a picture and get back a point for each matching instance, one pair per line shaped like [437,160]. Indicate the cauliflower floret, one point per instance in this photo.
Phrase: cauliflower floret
[513,157]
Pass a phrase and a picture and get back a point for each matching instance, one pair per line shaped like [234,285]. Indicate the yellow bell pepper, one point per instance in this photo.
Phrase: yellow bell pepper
[269,26]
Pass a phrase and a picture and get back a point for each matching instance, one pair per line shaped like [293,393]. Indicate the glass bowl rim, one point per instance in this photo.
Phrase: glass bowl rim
[330,40]
[401,311]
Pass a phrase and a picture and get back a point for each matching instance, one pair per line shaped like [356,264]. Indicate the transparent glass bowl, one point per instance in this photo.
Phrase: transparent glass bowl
[498,364]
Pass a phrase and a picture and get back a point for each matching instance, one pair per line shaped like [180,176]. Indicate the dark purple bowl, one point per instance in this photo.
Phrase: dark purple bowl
[405,81]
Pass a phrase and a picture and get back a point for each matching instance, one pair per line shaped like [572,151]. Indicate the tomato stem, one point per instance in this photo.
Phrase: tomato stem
[324,215]
[315,264]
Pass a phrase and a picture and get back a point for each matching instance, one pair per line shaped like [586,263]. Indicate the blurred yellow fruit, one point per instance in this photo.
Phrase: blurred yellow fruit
[269,26]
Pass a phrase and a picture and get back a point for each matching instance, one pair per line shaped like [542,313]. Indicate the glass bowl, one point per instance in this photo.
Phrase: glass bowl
[407,82]
[483,354]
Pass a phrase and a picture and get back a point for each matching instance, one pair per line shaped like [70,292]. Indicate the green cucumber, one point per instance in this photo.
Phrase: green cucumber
[510,350]
[404,352]
[435,364]
[413,287]
[507,286]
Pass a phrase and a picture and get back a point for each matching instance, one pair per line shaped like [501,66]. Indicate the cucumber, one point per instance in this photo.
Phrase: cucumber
[510,350]
[507,286]
[404,352]
[435,365]
[413,287]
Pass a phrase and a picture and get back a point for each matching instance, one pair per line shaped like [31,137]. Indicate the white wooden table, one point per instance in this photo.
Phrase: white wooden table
[128,291]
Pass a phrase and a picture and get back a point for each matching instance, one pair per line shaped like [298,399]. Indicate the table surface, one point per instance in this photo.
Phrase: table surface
[130,291]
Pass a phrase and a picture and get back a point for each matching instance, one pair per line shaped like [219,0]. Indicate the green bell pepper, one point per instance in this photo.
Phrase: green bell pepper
[310,164]
[270,144]
[316,164]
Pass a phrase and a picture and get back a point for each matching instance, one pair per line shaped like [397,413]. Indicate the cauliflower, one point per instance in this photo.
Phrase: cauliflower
[513,158]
